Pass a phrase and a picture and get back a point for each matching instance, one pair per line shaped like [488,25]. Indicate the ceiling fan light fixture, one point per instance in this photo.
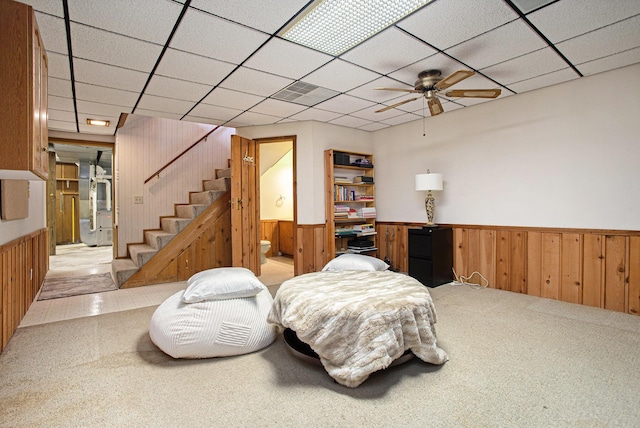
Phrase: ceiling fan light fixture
[335,26]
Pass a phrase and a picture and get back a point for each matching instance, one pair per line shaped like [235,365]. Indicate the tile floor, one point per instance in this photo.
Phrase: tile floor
[78,259]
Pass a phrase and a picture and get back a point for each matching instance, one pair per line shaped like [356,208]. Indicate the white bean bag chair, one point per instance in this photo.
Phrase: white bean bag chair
[222,312]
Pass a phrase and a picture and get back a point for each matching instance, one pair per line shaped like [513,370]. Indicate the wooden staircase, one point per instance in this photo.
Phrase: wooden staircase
[197,237]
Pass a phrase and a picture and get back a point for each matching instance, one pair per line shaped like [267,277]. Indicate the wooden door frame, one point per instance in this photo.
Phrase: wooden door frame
[293,140]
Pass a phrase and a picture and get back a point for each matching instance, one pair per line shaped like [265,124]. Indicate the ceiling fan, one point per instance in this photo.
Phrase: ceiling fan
[430,83]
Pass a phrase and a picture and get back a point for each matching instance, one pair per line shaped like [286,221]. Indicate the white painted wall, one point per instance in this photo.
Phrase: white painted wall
[143,146]
[313,138]
[276,189]
[563,156]
[37,219]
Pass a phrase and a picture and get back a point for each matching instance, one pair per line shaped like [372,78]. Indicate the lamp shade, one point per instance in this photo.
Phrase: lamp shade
[430,181]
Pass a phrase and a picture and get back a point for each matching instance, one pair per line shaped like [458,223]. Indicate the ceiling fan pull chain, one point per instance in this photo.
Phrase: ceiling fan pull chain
[424,133]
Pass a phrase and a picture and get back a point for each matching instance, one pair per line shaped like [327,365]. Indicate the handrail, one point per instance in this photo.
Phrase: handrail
[157,173]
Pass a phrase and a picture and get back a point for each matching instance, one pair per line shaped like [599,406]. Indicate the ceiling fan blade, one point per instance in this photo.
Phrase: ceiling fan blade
[452,79]
[435,107]
[398,89]
[474,93]
[395,105]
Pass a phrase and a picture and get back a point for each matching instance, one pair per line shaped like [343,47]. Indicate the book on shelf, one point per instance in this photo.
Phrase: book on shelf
[341,179]
[367,212]
[364,198]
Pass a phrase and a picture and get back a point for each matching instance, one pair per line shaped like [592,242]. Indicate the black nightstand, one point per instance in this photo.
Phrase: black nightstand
[431,255]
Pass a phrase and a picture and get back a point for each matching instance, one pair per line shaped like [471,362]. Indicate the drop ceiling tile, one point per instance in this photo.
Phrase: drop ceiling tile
[214,112]
[278,108]
[213,37]
[611,62]
[350,121]
[399,50]
[53,30]
[177,89]
[96,130]
[369,92]
[344,104]
[58,65]
[268,15]
[60,125]
[403,118]
[253,119]
[201,69]
[61,115]
[100,94]
[235,124]
[96,73]
[446,23]
[162,104]
[525,67]
[370,113]
[548,79]
[316,114]
[606,41]
[197,119]
[255,82]
[115,49]
[100,109]
[46,6]
[150,20]
[498,45]
[60,103]
[286,59]
[154,113]
[232,99]
[350,76]
[569,18]
[441,62]
[374,127]
[60,87]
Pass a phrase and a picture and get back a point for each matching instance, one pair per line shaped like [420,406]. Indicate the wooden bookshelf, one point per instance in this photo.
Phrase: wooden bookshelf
[349,203]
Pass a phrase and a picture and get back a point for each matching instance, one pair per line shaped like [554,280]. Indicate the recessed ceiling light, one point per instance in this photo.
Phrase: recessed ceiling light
[96,122]
[335,26]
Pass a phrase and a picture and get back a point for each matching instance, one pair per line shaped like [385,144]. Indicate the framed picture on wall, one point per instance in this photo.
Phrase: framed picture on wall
[14,199]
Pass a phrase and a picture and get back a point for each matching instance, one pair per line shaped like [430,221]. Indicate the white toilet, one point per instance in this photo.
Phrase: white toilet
[264,247]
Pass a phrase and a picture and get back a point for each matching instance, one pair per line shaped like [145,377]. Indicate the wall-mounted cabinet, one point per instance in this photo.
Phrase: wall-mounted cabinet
[23,104]
[350,203]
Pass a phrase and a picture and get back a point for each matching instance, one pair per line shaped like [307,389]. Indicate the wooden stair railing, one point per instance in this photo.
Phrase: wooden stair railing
[157,173]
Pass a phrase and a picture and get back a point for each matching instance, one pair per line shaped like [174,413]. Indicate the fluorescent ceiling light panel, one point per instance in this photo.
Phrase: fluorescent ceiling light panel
[335,26]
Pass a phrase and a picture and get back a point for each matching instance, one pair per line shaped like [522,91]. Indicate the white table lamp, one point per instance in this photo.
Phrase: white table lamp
[429,182]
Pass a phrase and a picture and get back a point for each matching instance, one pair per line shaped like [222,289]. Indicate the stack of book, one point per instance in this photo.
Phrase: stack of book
[367,212]
[341,211]
[364,229]
[364,198]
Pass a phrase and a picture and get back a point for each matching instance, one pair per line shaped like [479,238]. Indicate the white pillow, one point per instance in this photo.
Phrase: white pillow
[355,262]
[221,284]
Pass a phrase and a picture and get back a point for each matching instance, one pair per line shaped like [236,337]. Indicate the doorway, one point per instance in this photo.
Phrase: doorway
[277,208]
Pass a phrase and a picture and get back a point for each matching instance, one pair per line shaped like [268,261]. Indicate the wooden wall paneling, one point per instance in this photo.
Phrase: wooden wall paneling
[400,247]
[614,266]
[460,250]
[473,256]
[518,262]
[269,232]
[487,256]
[503,248]
[634,275]
[550,274]
[593,270]
[571,268]
[320,249]
[534,263]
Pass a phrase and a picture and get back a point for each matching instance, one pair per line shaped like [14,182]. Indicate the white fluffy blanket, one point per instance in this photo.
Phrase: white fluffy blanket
[359,322]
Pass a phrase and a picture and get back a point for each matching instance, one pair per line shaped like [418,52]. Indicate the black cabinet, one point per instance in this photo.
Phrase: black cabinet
[431,255]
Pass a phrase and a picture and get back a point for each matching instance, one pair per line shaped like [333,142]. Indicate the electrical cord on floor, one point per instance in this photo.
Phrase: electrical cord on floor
[464,280]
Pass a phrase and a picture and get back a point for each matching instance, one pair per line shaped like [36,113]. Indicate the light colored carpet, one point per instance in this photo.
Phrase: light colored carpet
[55,288]
[515,361]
